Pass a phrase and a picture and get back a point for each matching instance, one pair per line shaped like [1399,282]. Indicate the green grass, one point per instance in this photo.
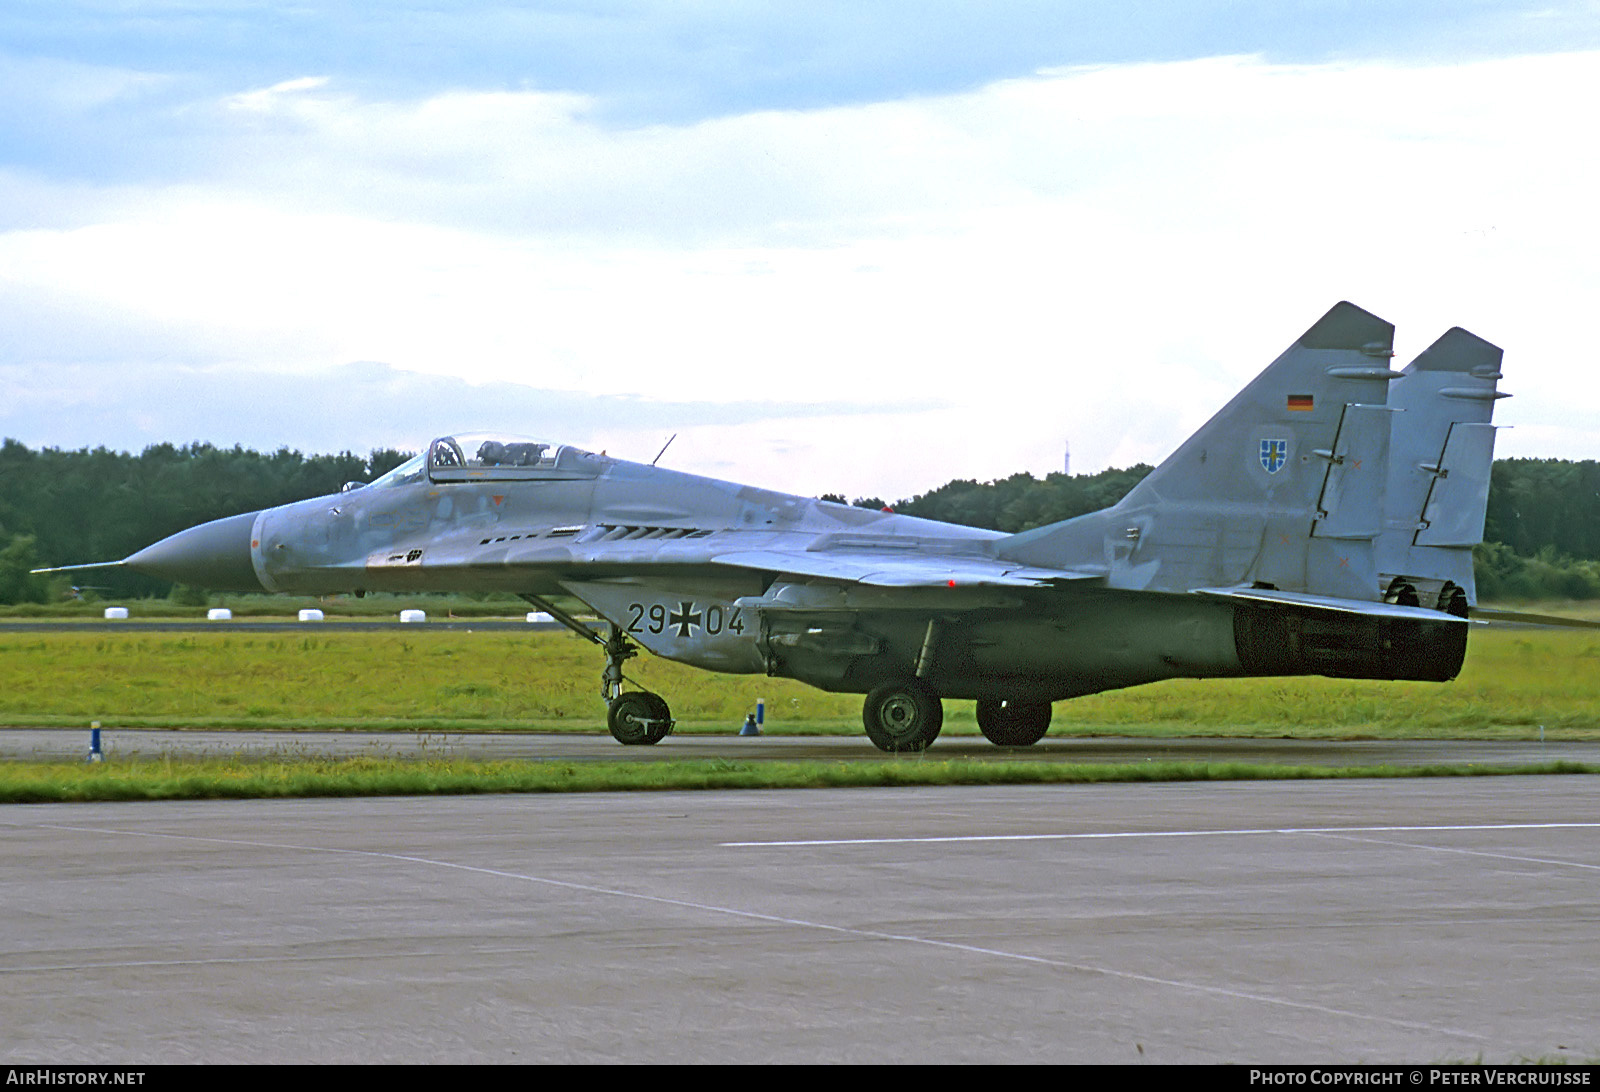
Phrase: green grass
[1514,682]
[168,779]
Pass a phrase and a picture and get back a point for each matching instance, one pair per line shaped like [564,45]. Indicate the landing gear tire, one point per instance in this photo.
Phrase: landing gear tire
[1013,723]
[639,718]
[903,716]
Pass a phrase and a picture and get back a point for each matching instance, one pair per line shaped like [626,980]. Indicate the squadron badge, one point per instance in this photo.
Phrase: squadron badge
[1274,453]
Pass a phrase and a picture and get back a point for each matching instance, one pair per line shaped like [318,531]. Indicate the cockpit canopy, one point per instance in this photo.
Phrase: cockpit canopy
[491,453]
[481,456]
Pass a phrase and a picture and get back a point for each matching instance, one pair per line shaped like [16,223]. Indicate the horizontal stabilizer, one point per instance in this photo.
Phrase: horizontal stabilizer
[1523,618]
[899,570]
[1273,597]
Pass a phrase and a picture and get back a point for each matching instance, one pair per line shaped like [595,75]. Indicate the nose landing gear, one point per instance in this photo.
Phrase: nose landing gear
[637,717]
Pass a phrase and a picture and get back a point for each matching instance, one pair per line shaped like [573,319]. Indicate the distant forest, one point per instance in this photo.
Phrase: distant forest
[68,507]
[1542,538]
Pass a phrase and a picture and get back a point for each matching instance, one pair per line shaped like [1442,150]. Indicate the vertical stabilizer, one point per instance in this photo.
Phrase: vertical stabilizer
[1442,452]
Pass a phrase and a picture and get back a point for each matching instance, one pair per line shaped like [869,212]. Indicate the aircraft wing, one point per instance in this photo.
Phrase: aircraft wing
[902,569]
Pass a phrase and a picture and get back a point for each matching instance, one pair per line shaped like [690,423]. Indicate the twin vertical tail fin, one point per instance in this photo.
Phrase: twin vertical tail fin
[1331,479]
[1333,502]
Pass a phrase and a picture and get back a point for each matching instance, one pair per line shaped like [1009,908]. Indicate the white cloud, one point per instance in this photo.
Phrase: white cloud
[270,99]
[1101,255]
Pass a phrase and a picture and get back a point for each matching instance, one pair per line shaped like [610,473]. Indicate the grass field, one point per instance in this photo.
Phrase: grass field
[1514,682]
[212,779]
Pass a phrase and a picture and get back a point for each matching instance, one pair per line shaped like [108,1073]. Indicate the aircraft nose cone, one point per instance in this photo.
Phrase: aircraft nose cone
[214,555]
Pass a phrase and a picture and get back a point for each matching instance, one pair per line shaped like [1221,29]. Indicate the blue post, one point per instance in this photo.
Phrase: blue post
[94,743]
[761,712]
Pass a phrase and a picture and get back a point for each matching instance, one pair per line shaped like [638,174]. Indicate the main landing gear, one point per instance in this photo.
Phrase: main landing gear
[906,716]
[903,716]
[1013,723]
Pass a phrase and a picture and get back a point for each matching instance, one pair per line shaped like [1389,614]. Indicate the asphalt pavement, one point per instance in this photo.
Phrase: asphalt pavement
[1419,920]
[73,743]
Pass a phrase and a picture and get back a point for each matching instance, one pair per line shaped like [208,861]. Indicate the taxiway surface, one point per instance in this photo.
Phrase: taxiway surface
[58,744]
[1414,920]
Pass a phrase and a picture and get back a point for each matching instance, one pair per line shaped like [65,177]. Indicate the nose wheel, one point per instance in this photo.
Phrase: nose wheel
[637,717]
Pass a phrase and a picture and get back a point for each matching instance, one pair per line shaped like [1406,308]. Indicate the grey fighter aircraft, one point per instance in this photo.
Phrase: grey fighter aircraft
[1321,523]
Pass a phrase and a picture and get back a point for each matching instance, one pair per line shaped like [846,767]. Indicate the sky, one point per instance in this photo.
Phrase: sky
[857,248]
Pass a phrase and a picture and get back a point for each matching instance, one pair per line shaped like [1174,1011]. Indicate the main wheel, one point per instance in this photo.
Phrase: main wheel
[903,716]
[639,717]
[1013,723]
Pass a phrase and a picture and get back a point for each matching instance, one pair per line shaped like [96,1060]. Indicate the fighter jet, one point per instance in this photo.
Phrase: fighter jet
[1321,523]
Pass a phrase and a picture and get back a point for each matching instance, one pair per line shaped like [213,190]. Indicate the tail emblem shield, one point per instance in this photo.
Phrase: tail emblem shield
[1274,453]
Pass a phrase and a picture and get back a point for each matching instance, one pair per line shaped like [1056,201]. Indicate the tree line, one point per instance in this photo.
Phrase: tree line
[1542,534]
[69,507]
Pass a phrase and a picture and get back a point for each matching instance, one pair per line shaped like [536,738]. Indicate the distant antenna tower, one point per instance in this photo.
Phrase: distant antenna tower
[1066,461]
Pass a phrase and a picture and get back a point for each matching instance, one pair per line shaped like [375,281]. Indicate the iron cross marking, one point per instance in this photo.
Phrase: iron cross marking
[684,620]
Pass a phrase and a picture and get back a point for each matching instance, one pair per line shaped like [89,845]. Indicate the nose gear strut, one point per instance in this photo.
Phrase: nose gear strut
[637,717]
